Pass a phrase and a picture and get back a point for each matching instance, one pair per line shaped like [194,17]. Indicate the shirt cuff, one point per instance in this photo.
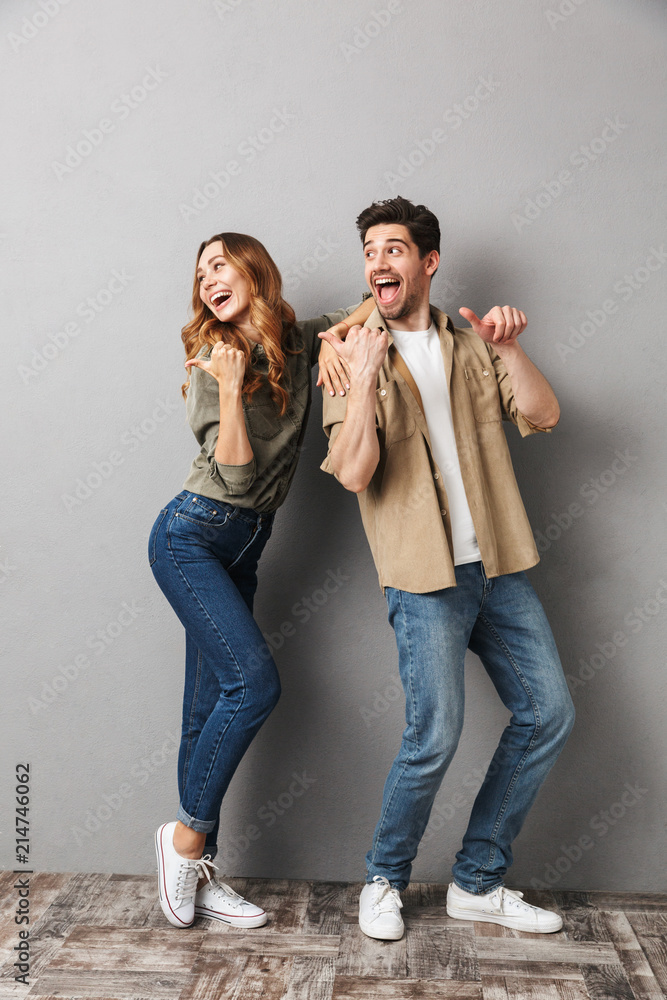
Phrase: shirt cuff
[526,426]
[326,465]
[236,479]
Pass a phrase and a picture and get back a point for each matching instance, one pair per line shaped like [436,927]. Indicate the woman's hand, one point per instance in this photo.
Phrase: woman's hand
[226,364]
[332,371]
[362,352]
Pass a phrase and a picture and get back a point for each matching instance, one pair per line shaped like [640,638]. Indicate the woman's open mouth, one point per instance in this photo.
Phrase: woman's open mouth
[220,298]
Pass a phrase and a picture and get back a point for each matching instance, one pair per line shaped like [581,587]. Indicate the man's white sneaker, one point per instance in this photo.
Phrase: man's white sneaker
[177,878]
[380,910]
[219,901]
[502,906]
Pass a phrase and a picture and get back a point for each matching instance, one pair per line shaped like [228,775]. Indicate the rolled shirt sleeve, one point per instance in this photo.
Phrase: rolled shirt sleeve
[334,409]
[235,479]
[510,410]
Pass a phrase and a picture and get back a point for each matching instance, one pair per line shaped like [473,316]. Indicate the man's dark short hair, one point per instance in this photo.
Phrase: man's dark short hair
[421,223]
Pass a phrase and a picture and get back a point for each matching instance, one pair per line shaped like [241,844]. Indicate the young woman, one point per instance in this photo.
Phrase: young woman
[247,402]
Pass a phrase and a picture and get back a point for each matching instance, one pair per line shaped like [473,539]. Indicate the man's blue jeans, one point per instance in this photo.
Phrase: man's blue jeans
[503,622]
[204,556]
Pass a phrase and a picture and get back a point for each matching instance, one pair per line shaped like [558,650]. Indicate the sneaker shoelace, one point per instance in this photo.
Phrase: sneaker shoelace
[225,891]
[189,873]
[510,897]
[386,899]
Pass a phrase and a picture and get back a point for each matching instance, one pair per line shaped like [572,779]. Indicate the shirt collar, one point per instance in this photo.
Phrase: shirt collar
[443,322]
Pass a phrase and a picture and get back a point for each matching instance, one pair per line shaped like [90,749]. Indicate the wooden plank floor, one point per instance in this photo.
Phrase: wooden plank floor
[104,936]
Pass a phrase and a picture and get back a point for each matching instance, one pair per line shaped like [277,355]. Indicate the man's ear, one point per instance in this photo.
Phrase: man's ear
[432,262]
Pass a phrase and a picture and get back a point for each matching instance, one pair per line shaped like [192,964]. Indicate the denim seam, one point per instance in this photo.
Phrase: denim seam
[186,762]
[408,759]
[215,749]
[538,724]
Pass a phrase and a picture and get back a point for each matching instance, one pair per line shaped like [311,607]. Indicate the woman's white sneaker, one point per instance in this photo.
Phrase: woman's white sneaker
[501,906]
[380,910]
[219,902]
[177,878]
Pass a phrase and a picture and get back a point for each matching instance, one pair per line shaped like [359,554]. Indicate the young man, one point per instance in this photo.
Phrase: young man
[419,438]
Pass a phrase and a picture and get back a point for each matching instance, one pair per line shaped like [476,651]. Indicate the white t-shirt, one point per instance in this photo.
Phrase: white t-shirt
[422,354]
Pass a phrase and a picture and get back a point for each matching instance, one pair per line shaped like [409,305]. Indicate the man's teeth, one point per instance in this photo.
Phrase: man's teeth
[386,281]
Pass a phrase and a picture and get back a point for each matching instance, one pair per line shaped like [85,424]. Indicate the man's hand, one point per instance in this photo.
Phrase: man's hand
[333,373]
[501,325]
[226,364]
[362,352]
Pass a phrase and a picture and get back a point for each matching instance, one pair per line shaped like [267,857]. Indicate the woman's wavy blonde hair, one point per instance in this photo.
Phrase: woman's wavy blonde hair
[270,315]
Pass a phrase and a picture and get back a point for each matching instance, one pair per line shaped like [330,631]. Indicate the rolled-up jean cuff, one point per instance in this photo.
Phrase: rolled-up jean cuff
[475,891]
[199,825]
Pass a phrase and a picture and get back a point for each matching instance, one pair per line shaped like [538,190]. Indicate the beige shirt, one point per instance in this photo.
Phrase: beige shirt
[262,483]
[404,509]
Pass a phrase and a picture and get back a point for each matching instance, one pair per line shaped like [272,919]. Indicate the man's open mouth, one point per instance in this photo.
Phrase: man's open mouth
[219,299]
[387,289]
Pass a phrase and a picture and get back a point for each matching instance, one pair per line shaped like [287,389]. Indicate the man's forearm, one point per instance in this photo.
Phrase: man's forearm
[356,451]
[533,395]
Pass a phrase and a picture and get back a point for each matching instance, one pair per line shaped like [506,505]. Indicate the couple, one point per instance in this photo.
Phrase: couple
[418,436]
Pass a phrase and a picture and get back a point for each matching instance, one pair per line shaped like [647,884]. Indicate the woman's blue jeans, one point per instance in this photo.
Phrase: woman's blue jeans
[204,556]
[503,622]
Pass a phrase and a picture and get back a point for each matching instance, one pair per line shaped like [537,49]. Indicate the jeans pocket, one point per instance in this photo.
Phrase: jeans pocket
[152,538]
[202,510]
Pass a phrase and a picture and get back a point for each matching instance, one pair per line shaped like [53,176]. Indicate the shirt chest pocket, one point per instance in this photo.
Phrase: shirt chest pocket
[263,421]
[484,394]
[394,420]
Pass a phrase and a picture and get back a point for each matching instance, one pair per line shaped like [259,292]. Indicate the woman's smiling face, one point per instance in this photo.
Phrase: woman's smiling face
[222,288]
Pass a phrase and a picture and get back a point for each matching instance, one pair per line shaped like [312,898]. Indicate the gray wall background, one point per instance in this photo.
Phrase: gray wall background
[475,108]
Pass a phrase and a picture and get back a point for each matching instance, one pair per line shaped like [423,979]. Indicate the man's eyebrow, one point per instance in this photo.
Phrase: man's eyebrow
[396,240]
[209,261]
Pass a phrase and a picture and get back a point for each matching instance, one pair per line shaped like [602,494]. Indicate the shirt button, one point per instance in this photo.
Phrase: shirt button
[443,512]
[436,475]
[383,392]
[485,372]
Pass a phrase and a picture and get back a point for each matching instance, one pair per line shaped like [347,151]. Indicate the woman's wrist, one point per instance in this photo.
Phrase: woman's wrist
[337,331]
[230,393]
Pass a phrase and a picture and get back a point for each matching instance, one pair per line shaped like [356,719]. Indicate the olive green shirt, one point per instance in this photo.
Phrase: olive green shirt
[404,508]
[262,483]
